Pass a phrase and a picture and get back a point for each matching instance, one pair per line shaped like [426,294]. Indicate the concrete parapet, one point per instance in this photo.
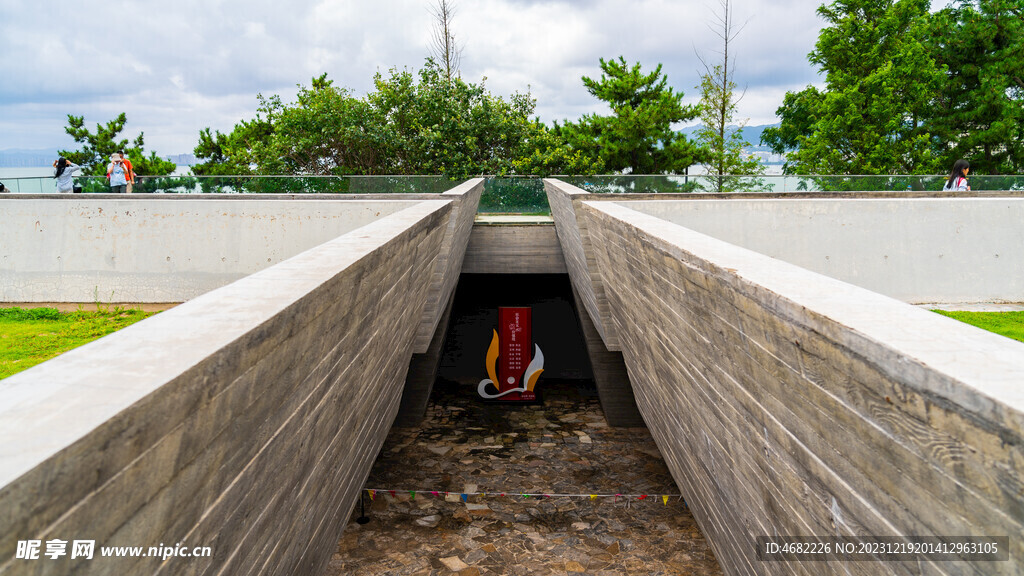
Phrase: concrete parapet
[945,249]
[575,241]
[790,403]
[163,248]
[245,420]
[513,248]
[610,373]
[430,335]
[449,262]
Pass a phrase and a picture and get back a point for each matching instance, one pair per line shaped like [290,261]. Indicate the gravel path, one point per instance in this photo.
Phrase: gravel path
[449,496]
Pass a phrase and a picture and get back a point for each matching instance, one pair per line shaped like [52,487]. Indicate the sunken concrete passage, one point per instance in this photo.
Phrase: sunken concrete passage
[501,247]
[492,245]
[163,248]
[790,403]
[245,419]
[562,446]
[951,249]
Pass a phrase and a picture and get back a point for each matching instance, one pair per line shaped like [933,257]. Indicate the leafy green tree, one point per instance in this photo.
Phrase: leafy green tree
[979,112]
[450,127]
[638,136]
[327,131]
[426,123]
[96,149]
[722,138]
[718,132]
[547,153]
[880,85]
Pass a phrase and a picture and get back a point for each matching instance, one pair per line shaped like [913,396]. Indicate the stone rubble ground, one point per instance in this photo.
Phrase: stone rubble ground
[563,446]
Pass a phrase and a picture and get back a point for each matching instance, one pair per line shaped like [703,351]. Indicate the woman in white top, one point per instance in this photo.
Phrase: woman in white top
[957,181]
[63,170]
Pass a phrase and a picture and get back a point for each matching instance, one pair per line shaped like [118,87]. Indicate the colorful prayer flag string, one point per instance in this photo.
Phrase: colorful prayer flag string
[528,495]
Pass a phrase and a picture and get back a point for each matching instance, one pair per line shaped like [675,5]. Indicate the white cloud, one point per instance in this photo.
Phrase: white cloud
[176,68]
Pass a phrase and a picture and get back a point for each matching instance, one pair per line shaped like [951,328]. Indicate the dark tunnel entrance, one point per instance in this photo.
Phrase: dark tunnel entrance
[555,326]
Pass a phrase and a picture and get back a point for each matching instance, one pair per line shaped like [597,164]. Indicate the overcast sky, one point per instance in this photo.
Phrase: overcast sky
[177,67]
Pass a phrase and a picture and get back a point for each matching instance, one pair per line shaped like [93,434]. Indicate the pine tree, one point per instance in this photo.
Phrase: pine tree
[97,148]
[638,136]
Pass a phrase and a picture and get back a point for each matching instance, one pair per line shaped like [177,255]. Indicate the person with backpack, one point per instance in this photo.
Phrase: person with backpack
[130,174]
[118,174]
[957,180]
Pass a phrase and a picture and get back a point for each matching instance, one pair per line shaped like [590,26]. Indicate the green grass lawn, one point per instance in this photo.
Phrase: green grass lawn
[32,336]
[1009,324]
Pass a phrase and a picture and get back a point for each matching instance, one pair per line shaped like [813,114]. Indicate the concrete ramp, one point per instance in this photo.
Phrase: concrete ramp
[244,420]
[790,403]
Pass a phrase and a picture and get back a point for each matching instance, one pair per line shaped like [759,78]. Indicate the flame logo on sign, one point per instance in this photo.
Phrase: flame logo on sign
[531,374]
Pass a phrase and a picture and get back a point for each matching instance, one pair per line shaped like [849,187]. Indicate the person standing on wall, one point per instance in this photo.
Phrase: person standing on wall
[957,181]
[130,174]
[118,175]
[63,170]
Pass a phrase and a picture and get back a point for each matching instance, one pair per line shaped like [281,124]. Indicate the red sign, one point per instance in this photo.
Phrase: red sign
[514,363]
[516,337]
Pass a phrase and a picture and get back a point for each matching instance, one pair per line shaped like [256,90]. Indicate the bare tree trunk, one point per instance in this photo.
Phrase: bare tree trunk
[718,101]
[443,46]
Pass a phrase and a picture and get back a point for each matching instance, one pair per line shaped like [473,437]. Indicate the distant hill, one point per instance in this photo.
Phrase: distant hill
[20,158]
[182,159]
[751,134]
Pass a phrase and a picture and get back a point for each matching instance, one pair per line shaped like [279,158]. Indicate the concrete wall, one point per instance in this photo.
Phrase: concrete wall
[449,263]
[790,403]
[245,419]
[513,249]
[610,374]
[430,335]
[579,258]
[161,248]
[916,250]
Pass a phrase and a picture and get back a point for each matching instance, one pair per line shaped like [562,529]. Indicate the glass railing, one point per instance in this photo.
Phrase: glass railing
[250,185]
[683,184]
[520,195]
[514,196]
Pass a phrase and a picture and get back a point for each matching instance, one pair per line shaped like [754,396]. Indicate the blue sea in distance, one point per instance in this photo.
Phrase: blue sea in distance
[47,172]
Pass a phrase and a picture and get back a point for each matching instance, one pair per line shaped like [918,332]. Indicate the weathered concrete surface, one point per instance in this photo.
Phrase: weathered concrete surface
[610,373]
[430,335]
[913,249]
[790,403]
[162,248]
[575,243]
[419,382]
[245,419]
[513,249]
[450,258]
